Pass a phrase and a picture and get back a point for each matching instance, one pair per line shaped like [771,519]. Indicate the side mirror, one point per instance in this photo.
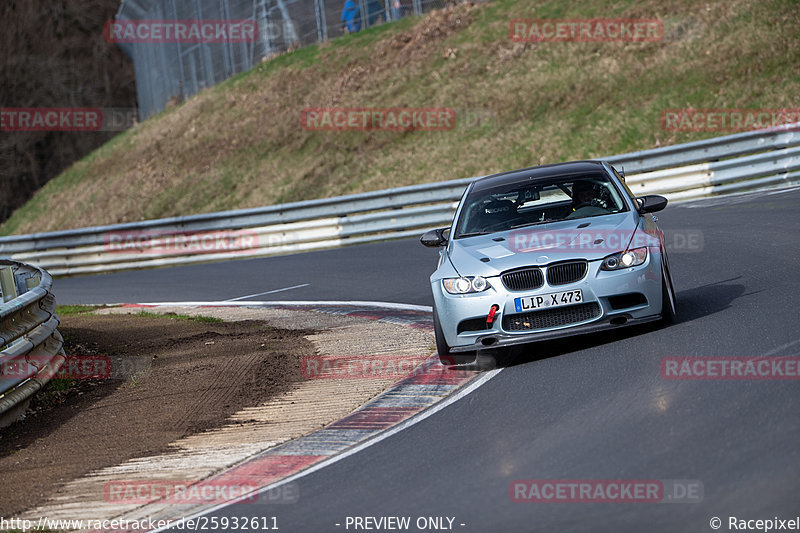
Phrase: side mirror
[651,203]
[434,238]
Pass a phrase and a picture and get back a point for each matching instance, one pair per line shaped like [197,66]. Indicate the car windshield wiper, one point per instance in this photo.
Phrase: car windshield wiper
[535,223]
[474,234]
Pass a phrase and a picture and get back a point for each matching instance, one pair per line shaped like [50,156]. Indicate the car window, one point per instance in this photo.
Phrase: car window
[526,202]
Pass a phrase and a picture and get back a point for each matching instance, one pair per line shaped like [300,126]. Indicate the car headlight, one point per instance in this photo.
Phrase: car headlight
[629,258]
[465,285]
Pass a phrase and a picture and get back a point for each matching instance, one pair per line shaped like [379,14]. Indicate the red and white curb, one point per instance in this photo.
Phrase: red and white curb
[428,389]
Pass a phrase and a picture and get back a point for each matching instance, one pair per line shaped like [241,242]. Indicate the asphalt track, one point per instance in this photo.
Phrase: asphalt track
[593,407]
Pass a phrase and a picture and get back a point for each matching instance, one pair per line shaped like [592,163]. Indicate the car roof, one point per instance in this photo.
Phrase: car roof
[533,173]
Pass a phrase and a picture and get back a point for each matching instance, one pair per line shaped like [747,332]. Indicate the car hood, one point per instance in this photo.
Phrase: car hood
[586,238]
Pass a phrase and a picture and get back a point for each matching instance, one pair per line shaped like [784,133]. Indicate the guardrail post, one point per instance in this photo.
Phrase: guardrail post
[8,285]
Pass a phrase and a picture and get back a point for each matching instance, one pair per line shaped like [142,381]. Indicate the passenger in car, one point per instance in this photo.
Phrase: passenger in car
[495,214]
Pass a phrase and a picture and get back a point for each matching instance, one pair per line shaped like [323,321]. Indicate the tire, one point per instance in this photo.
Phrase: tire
[445,356]
[669,303]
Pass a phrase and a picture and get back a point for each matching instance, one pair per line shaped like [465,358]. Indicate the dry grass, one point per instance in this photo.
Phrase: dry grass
[240,144]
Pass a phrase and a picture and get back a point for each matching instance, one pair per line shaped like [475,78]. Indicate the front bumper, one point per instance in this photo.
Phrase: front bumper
[500,339]
[597,286]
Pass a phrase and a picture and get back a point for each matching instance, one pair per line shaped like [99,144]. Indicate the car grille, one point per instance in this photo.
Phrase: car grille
[524,279]
[563,273]
[551,318]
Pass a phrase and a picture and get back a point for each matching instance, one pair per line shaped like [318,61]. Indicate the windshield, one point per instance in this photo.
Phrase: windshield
[527,202]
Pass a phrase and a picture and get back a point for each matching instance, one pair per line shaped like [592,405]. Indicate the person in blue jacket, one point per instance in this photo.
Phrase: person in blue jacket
[351,16]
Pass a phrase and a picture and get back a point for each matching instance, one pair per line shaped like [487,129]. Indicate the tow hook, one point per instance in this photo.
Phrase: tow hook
[490,317]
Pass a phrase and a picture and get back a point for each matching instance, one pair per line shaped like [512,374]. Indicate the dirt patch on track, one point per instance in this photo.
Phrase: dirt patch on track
[182,377]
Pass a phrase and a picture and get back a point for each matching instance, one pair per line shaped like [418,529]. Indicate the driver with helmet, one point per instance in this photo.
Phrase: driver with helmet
[585,201]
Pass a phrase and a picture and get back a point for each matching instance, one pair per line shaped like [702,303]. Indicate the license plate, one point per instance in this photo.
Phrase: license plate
[546,301]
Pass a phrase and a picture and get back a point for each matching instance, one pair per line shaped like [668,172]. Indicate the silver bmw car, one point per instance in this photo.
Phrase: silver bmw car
[546,252]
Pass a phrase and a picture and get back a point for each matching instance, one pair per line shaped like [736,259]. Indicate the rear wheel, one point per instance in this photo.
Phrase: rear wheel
[669,304]
[445,356]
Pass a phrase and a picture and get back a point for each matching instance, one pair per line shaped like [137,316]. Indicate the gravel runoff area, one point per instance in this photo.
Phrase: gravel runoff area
[192,398]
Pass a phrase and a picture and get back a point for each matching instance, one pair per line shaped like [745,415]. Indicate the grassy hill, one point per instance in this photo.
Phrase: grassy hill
[241,144]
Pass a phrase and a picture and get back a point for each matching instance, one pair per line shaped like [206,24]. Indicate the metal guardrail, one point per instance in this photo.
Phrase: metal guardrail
[30,345]
[722,165]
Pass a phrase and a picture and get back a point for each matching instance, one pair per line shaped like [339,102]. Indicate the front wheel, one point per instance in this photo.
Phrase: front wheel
[447,358]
